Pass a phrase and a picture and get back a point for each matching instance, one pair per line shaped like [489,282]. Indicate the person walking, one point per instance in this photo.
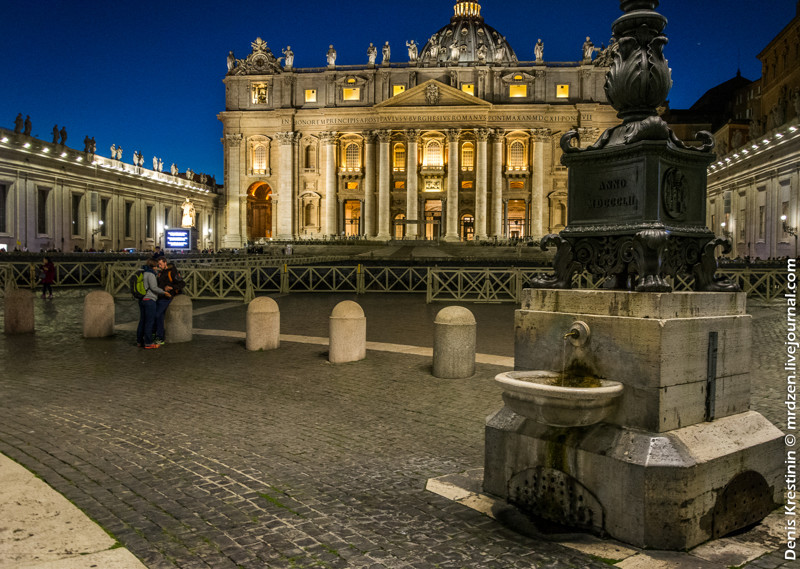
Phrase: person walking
[147,306]
[170,280]
[48,277]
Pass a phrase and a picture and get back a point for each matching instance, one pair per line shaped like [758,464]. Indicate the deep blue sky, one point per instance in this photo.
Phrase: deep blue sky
[148,74]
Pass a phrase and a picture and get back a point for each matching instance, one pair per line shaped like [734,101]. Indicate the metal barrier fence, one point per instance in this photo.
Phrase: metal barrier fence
[242,279]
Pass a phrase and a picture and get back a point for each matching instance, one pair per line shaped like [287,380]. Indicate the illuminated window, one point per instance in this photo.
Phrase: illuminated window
[352,156]
[399,157]
[562,91]
[260,158]
[516,185]
[397,89]
[433,155]
[259,93]
[516,155]
[352,185]
[311,95]
[466,185]
[399,185]
[468,88]
[467,156]
[351,94]
[517,90]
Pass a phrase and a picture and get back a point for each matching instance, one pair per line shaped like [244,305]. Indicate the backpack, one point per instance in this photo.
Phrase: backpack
[138,290]
[177,284]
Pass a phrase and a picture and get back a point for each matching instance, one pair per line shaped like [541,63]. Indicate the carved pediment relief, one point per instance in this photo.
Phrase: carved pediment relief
[433,93]
[351,81]
[261,61]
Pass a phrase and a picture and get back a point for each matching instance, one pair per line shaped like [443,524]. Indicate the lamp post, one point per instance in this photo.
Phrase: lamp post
[791,231]
[97,230]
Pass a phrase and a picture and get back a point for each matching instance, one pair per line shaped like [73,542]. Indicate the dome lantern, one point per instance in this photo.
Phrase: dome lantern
[467,10]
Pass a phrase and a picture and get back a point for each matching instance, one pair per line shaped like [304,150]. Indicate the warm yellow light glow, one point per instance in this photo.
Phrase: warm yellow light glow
[353,94]
[311,95]
[259,93]
[352,185]
[397,89]
[517,90]
[468,88]
[562,91]
[351,80]
[467,185]
[399,185]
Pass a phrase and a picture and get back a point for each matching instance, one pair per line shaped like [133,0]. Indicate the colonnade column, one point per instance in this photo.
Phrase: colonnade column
[541,136]
[451,233]
[369,184]
[480,184]
[328,140]
[384,209]
[285,183]
[233,150]
[497,183]
[412,190]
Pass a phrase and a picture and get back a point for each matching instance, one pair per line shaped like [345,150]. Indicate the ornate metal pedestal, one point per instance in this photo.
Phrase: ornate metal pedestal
[637,197]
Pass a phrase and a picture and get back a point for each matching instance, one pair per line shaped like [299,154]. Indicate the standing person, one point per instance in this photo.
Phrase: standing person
[147,306]
[170,280]
[48,277]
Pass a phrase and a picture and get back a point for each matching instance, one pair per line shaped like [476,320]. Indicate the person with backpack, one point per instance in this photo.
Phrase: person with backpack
[170,280]
[147,306]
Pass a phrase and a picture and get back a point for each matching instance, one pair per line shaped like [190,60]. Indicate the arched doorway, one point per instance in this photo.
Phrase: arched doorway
[259,211]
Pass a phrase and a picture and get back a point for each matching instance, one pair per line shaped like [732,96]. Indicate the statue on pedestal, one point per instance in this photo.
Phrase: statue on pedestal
[187,217]
[413,51]
[55,134]
[538,51]
[288,62]
[331,55]
[387,52]
[18,123]
[372,54]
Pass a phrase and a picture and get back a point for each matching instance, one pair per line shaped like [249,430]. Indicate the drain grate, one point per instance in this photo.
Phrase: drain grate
[556,496]
[746,500]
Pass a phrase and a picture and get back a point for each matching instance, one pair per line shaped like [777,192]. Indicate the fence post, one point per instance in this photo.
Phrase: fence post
[285,279]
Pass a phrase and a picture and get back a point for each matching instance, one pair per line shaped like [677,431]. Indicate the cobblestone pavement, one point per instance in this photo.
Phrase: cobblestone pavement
[205,455]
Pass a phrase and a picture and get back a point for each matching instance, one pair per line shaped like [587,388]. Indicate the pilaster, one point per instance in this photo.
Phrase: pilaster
[481,179]
[287,141]
[384,209]
[451,222]
[328,140]
[497,183]
[412,189]
[233,213]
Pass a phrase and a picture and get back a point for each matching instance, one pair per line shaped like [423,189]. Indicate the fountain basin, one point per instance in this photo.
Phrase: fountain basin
[533,395]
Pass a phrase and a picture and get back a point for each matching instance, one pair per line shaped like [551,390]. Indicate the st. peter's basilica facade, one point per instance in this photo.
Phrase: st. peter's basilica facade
[457,142]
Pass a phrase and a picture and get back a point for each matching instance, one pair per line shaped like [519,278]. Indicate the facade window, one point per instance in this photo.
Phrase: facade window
[351,93]
[352,185]
[433,155]
[742,222]
[516,155]
[41,211]
[515,91]
[75,211]
[311,157]
[352,217]
[148,222]
[352,156]
[468,88]
[259,93]
[562,91]
[399,185]
[466,185]
[128,219]
[260,158]
[104,216]
[467,156]
[762,223]
[311,95]
[397,89]
[399,158]
[3,208]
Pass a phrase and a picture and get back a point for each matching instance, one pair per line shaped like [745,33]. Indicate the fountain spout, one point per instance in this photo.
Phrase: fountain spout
[578,334]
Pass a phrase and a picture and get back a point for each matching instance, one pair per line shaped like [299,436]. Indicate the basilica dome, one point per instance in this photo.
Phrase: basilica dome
[467,40]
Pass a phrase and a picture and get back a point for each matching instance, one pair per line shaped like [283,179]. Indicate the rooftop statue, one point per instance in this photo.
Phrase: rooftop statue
[288,57]
[412,51]
[372,54]
[538,51]
[387,52]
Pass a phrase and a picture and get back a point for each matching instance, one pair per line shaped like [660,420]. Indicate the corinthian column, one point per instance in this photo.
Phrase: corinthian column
[541,137]
[497,183]
[328,140]
[233,176]
[369,184]
[451,233]
[285,183]
[481,179]
[412,191]
[384,197]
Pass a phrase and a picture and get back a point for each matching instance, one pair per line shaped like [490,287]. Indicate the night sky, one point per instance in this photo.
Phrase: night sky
[148,75]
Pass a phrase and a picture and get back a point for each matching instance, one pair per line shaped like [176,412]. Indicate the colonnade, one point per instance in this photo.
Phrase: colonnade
[376,177]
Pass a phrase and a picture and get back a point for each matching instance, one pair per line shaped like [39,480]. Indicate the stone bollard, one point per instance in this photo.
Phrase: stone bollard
[348,333]
[98,315]
[263,324]
[18,306]
[454,343]
[178,320]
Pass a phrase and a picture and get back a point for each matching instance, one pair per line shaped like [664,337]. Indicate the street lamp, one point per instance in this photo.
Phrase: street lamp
[791,231]
[97,230]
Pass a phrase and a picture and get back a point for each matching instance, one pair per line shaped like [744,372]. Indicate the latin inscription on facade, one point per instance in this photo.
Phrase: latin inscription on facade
[420,118]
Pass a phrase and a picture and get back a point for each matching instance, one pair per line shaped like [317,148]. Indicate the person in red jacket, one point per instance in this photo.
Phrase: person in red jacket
[48,277]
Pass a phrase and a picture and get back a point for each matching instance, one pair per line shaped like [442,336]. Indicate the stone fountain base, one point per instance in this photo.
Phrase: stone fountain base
[681,460]
[669,490]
